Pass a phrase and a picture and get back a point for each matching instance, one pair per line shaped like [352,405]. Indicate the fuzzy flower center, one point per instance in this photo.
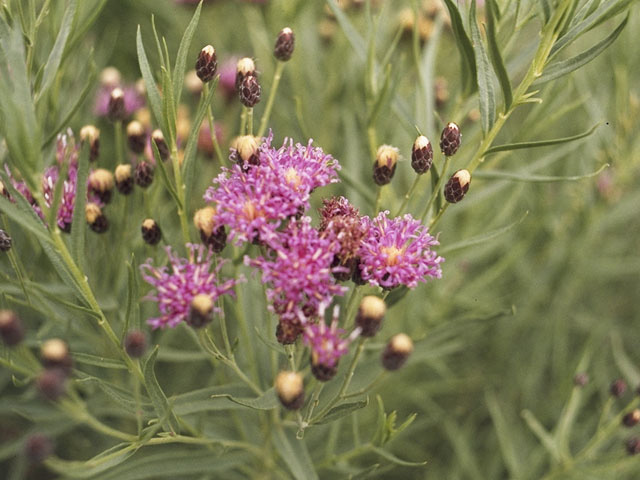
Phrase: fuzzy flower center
[392,254]
[250,210]
[291,175]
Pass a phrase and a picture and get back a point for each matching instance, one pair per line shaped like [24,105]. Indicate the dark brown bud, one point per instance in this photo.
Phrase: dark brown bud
[250,91]
[5,241]
[290,389]
[632,418]
[135,343]
[207,64]
[124,179]
[288,332]
[204,221]
[136,137]
[285,43]
[151,232]
[38,447]
[457,186]
[618,388]
[385,165]
[450,139]
[143,174]
[11,328]
[200,311]
[101,184]
[421,155]
[397,352]
[370,315]
[581,379]
[51,384]
[163,148]
[54,354]
[245,67]
[91,134]
[116,111]
[357,274]
[95,218]
[633,445]
[322,372]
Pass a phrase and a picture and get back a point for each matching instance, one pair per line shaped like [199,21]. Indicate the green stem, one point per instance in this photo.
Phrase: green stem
[408,195]
[378,199]
[212,125]
[17,266]
[436,189]
[370,387]
[272,95]
[119,141]
[180,188]
[249,121]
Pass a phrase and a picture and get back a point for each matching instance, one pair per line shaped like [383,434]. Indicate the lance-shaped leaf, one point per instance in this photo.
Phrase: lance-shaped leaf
[540,143]
[496,56]
[486,93]
[523,177]
[183,50]
[158,398]
[468,60]
[152,90]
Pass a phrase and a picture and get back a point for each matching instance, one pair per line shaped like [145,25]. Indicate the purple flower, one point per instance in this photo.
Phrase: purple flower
[176,285]
[327,344]
[133,99]
[227,83]
[398,252]
[299,271]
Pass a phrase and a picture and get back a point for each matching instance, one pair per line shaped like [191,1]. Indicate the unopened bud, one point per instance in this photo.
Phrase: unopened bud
[95,218]
[136,137]
[135,343]
[632,418]
[247,147]
[370,315]
[290,389]
[250,91]
[207,64]
[37,448]
[618,388]
[450,139]
[385,165]
[200,311]
[116,110]
[11,328]
[124,179]
[163,148]
[151,232]
[91,134]
[457,186]
[143,175]
[204,221]
[101,184]
[633,445]
[421,155]
[110,77]
[51,384]
[397,352]
[285,43]
[322,372]
[288,332]
[54,353]
[245,67]
[5,241]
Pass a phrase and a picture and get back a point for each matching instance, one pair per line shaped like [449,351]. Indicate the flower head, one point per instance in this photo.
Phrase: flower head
[398,252]
[176,285]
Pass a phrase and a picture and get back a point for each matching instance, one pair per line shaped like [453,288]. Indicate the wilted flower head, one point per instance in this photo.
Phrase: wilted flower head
[398,252]
[176,285]
[334,207]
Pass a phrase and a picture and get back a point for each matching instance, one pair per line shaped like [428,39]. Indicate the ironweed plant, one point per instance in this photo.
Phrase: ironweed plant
[234,233]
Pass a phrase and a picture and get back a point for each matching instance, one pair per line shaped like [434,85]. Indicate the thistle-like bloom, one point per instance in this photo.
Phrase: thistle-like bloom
[133,99]
[334,207]
[176,285]
[398,252]
[299,274]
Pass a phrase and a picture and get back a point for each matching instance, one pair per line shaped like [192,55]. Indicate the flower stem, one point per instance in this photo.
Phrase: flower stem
[249,121]
[436,189]
[180,188]
[212,125]
[408,195]
[119,141]
[272,95]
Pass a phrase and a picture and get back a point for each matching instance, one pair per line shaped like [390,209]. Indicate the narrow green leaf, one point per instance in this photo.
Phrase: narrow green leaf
[97,361]
[183,51]
[168,108]
[21,212]
[485,237]
[294,453]
[78,223]
[496,56]
[98,464]
[267,401]
[563,67]
[164,175]
[486,95]
[342,410]
[55,57]
[396,295]
[540,143]
[356,41]
[158,398]
[382,96]
[545,10]
[117,395]
[393,459]
[467,56]
[132,315]
[524,177]
[152,90]
[505,431]
[627,366]
[539,431]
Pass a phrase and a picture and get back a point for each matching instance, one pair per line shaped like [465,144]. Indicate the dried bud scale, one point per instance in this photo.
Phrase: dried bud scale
[215,237]
[163,149]
[421,155]
[116,110]
[38,447]
[618,387]
[250,91]
[11,328]
[200,311]
[397,351]
[632,418]
[207,64]
[385,164]
[370,314]
[143,174]
[457,186]
[136,137]
[450,139]
[135,343]
[151,233]
[290,389]
[5,241]
[124,179]
[101,184]
[285,44]
[91,134]
[95,218]
[245,67]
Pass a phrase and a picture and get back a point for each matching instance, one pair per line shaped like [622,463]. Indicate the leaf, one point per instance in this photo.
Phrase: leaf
[486,95]
[467,56]
[523,177]
[119,396]
[132,315]
[624,363]
[21,212]
[183,50]
[485,237]
[563,67]
[396,295]
[267,401]
[168,108]
[164,175]
[152,90]
[539,143]
[541,433]
[78,223]
[98,361]
[392,458]
[505,432]
[342,411]
[354,38]
[158,398]
[198,401]
[55,57]
[496,56]
[294,453]
[98,464]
